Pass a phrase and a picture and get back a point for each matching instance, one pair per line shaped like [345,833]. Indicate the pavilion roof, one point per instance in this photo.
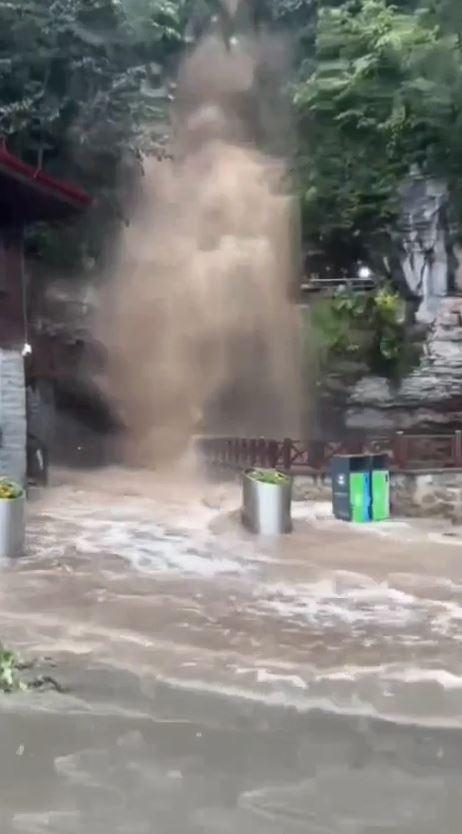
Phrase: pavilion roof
[28,194]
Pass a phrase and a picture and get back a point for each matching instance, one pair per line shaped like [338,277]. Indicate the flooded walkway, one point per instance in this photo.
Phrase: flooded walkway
[220,683]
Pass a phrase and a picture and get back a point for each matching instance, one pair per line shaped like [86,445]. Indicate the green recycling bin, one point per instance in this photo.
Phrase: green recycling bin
[361,487]
[351,487]
[380,483]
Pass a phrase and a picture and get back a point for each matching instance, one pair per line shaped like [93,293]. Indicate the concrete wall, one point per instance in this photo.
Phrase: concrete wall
[12,415]
[41,414]
[434,493]
[312,488]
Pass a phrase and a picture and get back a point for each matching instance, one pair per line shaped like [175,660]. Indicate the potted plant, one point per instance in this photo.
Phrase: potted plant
[266,501]
[12,505]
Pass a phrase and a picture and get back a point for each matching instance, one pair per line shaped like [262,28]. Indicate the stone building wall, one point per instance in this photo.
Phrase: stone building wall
[12,415]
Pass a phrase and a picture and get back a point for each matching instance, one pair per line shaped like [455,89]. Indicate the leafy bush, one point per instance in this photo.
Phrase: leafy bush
[366,327]
[269,476]
[9,678]
[9,489]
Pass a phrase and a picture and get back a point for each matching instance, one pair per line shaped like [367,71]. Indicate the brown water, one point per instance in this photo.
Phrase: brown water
[219,682]
[198,319]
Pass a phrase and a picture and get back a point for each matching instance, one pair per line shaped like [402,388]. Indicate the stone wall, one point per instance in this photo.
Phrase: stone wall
[425,242]
[428,399]
[41,412]
[12,415]
[312,488]
[413,494]
[436,493]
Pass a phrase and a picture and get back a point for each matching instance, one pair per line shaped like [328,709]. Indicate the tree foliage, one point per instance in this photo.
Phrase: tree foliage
[85,87]
[384,95]
[84,90]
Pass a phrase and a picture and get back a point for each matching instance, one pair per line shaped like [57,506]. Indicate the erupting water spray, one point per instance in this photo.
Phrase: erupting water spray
[203,334]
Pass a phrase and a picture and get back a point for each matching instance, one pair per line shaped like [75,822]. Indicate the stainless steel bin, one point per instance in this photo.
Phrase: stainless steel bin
[12,521]
[266,507]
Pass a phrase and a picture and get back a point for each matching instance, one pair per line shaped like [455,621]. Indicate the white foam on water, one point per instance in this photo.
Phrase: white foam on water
[440,538]
[398,673]
[263,676]
[381,675]
[149,545]
[291,697]
[359,604]
[334,600]
[441,677]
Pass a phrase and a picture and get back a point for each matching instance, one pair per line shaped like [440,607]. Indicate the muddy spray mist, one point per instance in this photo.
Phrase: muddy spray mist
[203,332]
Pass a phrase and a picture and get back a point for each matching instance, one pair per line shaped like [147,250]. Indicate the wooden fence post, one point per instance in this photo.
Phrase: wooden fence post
[261,457]
[457,449]
[273,453]
[287,454]
[400,450]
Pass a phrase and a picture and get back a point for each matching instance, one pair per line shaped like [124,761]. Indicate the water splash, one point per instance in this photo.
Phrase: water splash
[202,332]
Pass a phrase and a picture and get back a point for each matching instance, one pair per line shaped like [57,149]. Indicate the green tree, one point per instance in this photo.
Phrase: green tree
[446,14]
[384,95]
[84,89]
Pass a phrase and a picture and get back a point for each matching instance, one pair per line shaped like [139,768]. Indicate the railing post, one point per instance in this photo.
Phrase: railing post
[243,452]
[287,454]
[261,456]
[273,453]
[400,450]
[457,449]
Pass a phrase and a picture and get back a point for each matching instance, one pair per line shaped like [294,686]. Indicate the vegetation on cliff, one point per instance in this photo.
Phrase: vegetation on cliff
[381,94]
[363,331]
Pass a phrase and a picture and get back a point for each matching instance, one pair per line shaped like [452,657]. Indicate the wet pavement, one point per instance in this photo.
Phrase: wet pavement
[216,682]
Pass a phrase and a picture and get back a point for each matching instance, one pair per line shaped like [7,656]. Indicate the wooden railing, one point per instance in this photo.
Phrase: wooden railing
[406,452]
[331,285]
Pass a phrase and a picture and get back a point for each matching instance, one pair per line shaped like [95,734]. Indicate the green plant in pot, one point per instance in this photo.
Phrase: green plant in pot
[269,476]
[10,490]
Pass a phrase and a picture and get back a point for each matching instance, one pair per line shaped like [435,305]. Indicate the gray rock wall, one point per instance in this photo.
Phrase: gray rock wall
[423,231]
[437,493]
[428,399]
[12,415]
[312,488]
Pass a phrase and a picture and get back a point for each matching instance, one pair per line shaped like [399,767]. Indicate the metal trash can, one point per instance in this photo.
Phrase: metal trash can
[266,502]
[12,522]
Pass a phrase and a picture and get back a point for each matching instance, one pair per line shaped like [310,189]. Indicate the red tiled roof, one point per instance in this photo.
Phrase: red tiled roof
[28,194]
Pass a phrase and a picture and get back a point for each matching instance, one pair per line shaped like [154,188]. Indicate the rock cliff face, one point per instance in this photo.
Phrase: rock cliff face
[427,260]
[67,410]
[430,398]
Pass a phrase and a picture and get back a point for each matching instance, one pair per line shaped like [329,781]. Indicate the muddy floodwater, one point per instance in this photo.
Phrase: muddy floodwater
[218,683]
